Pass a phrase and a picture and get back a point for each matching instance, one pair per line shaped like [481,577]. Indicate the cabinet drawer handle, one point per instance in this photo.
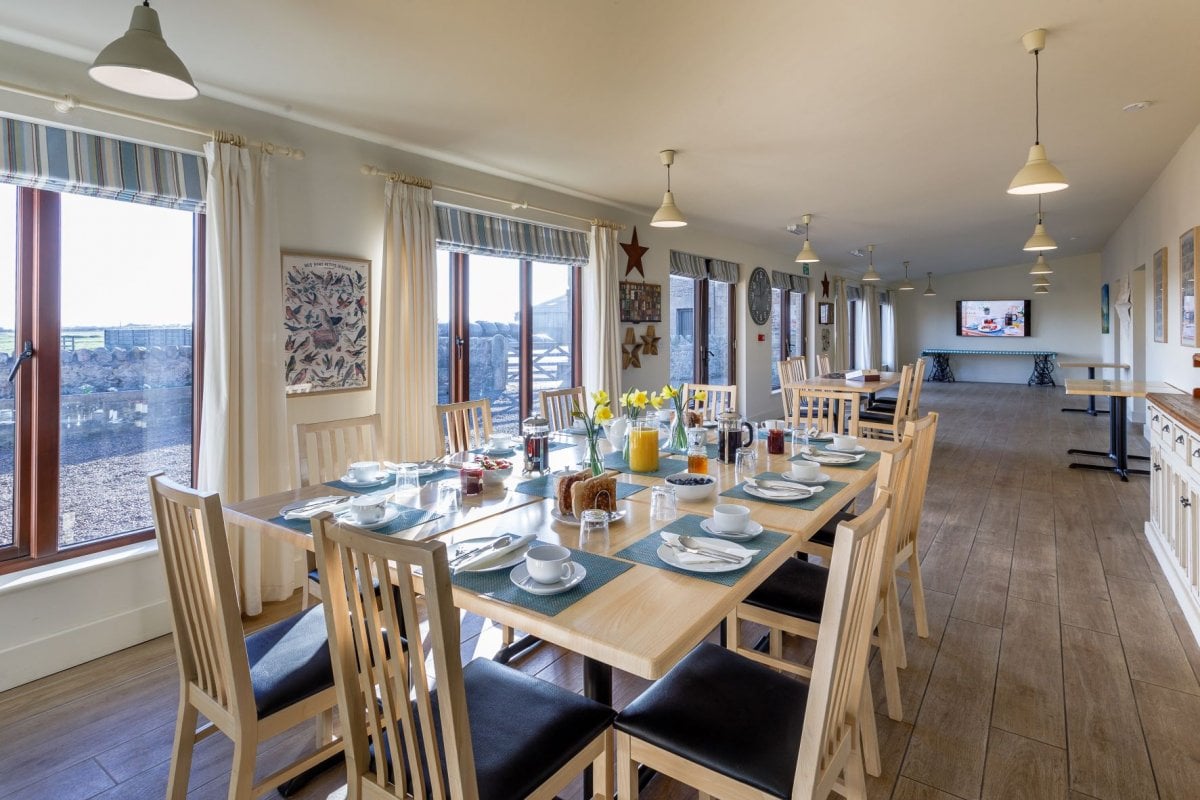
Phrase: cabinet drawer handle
[1157,467]
[1167,428]
[1196,454]
[1154,418]
[1183,501]
[1179,439]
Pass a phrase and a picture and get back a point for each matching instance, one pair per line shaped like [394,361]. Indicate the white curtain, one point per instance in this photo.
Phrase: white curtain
[867,335]
[887,337]
[841,326]
[243,439]
[407,368]
[601,313]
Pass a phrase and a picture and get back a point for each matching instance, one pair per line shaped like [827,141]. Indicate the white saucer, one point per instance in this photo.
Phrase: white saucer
[708,424]
[671,557]
[752,530]
[511,559]
[754,491]
[822,477]
[390,513]
[571,519]
[383,476]
[858,448]
[834,459]
[520,576]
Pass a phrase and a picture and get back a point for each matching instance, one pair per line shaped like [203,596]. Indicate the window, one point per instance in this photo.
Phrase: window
[852,328]
[702,323]
[507,329]
[104,291]
[787,329]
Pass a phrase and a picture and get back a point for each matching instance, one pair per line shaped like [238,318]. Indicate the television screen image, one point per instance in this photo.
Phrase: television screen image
[993,318]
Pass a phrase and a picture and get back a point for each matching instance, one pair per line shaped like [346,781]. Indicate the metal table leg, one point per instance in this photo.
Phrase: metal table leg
[941,368]
[1043,371]
[1117,443]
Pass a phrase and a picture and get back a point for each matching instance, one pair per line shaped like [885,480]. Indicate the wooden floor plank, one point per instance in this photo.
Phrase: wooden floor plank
[1022,769]
[1152,648]
[1165,714]
[983,589]
[1029,685]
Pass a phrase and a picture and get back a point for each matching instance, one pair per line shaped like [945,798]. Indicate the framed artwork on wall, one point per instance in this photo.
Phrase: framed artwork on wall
[1187,288]
[824,313]
[641,302]
[328,338]
[1158,294]
[1104,320]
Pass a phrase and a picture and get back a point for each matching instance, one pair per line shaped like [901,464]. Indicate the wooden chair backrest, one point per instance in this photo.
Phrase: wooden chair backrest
[467,426]
[914,404]
[825,410]
[904,395]
[323,449]
[384,690]
[717,398]
[823,365]
[919,435]
[557,405]
[895,477]
[201,592]
[831,723]
[791,371]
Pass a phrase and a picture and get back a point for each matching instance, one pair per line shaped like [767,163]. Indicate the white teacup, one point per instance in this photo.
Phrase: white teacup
[665,415]
[842,442]
[805,470]
[498,443]
[368,508]
[549,563]
[730,518]
[364,471]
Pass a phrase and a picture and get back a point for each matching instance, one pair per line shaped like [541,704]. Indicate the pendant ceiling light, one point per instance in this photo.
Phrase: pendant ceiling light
[906,285]
[1040,267]
[668,214]
[1041,290]
[1041,280]
[1039,175]
[1040,239]
[141,63]
[806,255]
[871,275]
[929,292]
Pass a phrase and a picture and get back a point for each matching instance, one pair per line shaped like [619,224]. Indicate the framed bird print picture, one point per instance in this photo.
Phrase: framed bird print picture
[328,338]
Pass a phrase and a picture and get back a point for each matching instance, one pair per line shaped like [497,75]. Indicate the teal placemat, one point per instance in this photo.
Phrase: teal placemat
[439,475]
[496,584]
[807,504]
[666,466]
[409,518]
[645,551]
[544,487]
[507,452]
[359,489]
[869,458]
[711,449]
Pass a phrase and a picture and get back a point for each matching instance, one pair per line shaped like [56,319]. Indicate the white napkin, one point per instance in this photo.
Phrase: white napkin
[491,557]
[311,511]
[685,557]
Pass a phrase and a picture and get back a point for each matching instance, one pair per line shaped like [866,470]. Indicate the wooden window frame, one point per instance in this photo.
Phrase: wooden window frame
[38,391]
[700,326]
[785,329]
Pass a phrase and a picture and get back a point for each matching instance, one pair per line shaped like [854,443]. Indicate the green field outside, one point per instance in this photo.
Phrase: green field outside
[83,338]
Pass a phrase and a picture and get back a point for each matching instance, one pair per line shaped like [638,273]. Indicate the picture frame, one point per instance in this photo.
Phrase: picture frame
[1104,309]
[641,302]
[1187,288]
[1158,294]
[824,313]
[327,344]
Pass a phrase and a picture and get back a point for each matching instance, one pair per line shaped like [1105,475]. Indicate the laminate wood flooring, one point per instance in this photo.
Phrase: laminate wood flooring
[1058,663]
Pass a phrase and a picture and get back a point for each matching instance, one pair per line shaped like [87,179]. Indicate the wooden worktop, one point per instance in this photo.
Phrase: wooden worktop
[1182,407]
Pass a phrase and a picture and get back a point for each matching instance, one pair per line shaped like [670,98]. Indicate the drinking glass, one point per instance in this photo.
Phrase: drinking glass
[799,439]
[663,507]
[408,480]
[745,463]
[593,527]
[449,497]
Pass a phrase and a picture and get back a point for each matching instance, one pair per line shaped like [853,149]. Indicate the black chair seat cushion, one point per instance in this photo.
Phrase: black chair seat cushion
[877,416]
[796,588]
[289,661]
[523,729]
[826,534]
[727,713]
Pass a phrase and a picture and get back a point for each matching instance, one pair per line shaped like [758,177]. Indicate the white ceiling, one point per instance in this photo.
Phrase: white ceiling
[895,123]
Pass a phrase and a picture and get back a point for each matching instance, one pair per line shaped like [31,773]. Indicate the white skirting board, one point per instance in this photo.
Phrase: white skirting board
[1179,585]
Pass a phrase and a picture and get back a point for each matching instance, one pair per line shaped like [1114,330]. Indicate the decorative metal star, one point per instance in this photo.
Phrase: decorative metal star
[650,341]
[635,252]
[825,285]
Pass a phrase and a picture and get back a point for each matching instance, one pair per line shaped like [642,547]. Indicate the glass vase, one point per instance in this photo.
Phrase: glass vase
[593,452]
[678,439]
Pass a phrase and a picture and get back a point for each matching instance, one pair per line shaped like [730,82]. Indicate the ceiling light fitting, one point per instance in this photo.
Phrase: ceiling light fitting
[668,214]
[141,63]
[1040,267]
[871,275]
[806,254]
[906,285]
[1040,239]
[929,292]
[1041,290]
[1041,280]
[1039,175]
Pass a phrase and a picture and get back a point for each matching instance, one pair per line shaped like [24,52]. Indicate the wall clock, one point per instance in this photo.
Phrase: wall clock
[759,296]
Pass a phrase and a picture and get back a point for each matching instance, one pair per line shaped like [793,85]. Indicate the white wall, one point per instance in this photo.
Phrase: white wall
[1170,207]
[1067,320]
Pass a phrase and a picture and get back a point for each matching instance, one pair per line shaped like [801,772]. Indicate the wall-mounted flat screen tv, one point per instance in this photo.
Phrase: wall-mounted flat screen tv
[993,318]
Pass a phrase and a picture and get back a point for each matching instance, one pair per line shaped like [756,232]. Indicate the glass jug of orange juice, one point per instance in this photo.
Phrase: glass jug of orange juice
[643,447]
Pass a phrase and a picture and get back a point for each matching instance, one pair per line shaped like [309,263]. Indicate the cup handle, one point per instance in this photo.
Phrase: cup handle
[568,571]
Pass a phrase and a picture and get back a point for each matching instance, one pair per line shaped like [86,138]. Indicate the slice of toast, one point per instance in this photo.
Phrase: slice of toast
[598,492]
[562,491]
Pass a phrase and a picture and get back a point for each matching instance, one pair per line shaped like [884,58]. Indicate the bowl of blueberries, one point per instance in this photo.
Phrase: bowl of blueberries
[691,486]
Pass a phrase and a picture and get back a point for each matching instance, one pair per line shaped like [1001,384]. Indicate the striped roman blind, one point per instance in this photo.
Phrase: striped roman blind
[786,280]
[45,157]
[723,271]
[853,293]
[482,234]
[686,265]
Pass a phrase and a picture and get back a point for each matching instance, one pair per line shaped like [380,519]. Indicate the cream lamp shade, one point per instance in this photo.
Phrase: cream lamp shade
[141,63]
[929,292]
[1040,239]
[1038,176]
[906,285]
[806,255]
[1041,280]
[668,214]
[1040,267]
[1041,290]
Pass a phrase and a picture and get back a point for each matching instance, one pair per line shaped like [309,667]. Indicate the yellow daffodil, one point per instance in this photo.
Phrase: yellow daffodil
[603,413]
[669,392]
[639,399]
[700,395]
[656,400]
[624,399]
[600,398]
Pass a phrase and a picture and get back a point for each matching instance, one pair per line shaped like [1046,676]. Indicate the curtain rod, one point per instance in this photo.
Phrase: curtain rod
[367,169]
[66,103]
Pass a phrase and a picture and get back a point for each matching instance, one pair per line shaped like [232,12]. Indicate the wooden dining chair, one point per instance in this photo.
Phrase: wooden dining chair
[734,728]
[486,730]
[825,410]
[790,601]
[791,371]
[250,688]
[557,405]
[883,424]
[466,426]
[718,398]
[823,365]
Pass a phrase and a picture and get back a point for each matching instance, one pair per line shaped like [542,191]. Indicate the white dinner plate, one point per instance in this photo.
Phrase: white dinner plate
[752,530]
[571,519]
[779,496]
[833,459]
[509,560]
[520,576]
[383,476]
[822,477]
[708,424]
[328,500]
[858,448]
[671,557]
[390,512]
